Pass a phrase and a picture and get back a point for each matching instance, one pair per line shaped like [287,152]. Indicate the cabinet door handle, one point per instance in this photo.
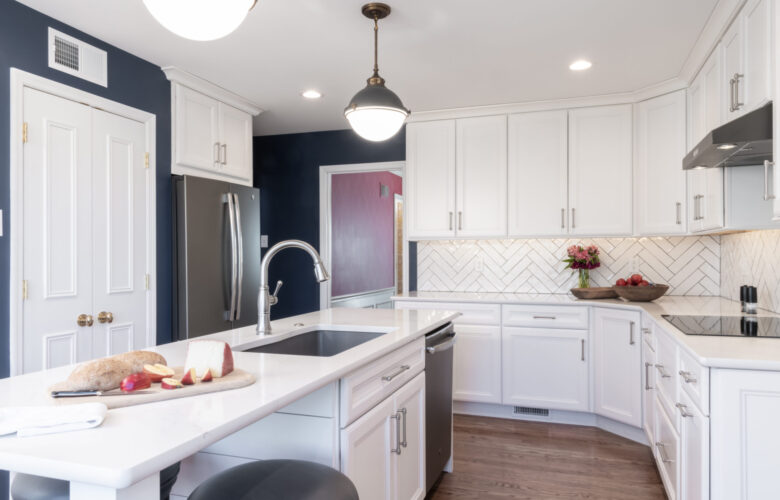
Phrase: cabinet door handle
[662,371]
[767,195]
[582,352]
[678,207]
[397,417]
[216,153]
[683,410]
[731,96]
[573,220]
[689,379]
[451,221]
[460,221]
[544,317]
[631,340]
[737,105]
[401,369]
[662,452]
[563,218]
[403,414]
[647,376]
[646,331]
[224,154]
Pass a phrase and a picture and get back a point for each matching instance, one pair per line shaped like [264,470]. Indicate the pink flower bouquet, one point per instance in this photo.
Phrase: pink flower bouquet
[583,259]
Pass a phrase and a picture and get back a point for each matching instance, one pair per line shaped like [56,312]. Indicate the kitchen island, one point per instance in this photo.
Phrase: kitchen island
[122,458]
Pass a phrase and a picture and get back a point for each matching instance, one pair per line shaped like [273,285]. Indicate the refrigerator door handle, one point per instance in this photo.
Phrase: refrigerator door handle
[240,245]
[233,256]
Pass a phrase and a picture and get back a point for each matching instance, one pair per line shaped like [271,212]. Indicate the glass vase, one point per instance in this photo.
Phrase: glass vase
[584,278]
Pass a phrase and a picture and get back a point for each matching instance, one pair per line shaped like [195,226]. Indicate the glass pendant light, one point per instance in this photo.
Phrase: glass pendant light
[376,113]
[200,20]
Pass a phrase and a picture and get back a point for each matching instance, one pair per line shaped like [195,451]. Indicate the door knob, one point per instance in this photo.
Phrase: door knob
[105,317]
[84,320]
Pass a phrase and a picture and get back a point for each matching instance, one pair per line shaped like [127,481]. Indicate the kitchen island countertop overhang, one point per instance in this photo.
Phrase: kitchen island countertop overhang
[137,441]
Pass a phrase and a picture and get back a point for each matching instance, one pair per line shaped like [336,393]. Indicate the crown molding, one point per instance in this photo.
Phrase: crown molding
[180,76]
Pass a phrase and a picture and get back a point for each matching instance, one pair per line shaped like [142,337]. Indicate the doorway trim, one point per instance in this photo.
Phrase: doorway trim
[326,176]
[19,81]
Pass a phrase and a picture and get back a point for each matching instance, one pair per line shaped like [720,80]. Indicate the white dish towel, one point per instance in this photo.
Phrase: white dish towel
[25,421]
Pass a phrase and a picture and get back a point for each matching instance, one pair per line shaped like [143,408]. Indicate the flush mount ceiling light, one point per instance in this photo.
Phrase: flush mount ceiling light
[376,113]
[200,20]
[311,94]
[580,65]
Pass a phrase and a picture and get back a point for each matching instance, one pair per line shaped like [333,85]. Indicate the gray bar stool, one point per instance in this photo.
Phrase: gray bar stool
[29,487]
[277,480]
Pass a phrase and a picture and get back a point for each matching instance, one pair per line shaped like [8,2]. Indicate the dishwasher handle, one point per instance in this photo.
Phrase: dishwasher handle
[441,347]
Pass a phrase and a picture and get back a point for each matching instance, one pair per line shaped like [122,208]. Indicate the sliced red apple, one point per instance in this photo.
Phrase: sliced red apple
[171,383]
[207,377]
[135,382]
[158,372]
[189,377]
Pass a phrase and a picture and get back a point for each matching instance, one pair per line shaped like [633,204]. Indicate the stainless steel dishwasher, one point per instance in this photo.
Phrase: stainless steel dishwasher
[438,401]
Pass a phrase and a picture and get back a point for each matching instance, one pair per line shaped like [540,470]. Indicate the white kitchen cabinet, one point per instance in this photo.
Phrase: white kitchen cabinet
[660,187]
[477,364]
[714,90]
[734,68]
[196,129]
[545,368]
[600,165]
[236,142]
[666,449]
[617,372]
[649,390]
[538,174]
[430,179]
[383,452]
[755,88]
[706,199]
[481,176]
[694,450]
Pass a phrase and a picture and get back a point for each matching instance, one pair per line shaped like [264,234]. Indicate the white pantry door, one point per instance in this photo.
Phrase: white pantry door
[120,221]
[57,231]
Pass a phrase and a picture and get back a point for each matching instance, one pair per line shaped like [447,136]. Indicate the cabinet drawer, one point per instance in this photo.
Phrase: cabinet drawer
[666,367]
[695,380]
[364,388]
[667,453]
[546,316]
[471,314]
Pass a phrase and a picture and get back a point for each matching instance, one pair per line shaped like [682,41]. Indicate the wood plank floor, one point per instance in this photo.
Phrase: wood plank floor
[498,458]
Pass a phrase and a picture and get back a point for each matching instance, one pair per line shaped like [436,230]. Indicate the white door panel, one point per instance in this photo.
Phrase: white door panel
[197,126]
[57,230]
[236,154]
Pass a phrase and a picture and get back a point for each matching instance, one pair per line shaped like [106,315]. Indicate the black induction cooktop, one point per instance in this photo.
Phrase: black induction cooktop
[727,326]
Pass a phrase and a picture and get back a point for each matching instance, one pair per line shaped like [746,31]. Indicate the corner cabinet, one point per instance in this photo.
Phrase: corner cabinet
[211,130]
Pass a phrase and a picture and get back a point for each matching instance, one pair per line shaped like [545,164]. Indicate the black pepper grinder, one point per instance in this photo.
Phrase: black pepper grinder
[751,300]
[743,292]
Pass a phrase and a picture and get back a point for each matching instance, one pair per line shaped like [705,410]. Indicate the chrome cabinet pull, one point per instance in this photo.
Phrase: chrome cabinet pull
[678,207]
[646,331]
[683,409]
[662,371]
[441,347]
[662,452]
[573,220]
[451,221]
[731,96]
[460,221]
[544,317]
[737,105]
[403,442]
[631,334]
[233,256]
[582,352]
[563,218]
[767,195]
[240,245]
[397,417]
[216,153]
[647,376]
[689,379]
[401,369]
[224,154]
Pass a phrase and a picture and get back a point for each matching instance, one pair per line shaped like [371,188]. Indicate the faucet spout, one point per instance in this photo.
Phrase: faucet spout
[264,299]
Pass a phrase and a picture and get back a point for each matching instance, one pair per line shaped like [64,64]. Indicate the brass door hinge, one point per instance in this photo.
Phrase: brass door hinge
[148,279]
[146,160]
[24,133]
[24,290]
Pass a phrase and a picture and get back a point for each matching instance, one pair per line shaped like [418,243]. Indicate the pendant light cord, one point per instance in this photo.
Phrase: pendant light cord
[376,44]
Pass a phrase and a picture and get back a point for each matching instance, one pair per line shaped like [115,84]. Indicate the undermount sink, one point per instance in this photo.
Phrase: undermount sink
[322,343]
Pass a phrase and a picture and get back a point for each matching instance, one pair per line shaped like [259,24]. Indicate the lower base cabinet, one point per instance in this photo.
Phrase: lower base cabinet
[695,451]
[477,370]
[545,368]
[383,452]
[666,448]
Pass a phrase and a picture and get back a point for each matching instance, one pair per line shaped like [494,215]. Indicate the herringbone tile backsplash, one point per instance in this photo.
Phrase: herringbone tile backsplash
[752,259]
[691,265]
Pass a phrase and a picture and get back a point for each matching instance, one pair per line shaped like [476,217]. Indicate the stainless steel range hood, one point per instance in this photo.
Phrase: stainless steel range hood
[746,140]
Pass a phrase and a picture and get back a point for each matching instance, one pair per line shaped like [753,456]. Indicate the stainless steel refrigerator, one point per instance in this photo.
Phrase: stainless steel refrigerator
[216,254]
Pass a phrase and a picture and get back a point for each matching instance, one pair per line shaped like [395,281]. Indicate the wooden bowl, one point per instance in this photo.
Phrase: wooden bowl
[641,293]
[598,292]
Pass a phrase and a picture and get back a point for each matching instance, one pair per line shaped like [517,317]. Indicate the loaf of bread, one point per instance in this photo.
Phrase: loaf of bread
[105,374]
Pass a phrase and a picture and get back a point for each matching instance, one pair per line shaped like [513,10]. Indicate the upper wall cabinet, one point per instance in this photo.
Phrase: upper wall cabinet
[600,164]
[211,131]
[659,190]
[538,173]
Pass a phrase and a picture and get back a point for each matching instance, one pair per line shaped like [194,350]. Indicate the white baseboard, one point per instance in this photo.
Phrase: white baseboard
[555,417]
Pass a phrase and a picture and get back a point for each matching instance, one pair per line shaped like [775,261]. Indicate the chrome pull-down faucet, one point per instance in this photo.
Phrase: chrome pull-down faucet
[266,300]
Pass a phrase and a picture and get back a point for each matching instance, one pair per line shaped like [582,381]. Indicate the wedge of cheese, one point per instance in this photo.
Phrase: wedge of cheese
[213,355]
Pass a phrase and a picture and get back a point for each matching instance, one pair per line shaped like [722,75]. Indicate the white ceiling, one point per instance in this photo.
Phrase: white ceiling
[435,54]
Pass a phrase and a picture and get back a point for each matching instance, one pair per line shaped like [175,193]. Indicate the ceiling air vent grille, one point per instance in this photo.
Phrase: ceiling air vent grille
[536,412]
[77,58]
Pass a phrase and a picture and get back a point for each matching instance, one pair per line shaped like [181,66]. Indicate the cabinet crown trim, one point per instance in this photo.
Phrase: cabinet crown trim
[180,76]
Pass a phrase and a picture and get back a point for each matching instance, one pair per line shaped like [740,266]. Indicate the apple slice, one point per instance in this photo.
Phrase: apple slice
[158,372]
[170,383]
[135,382]
[207,377]
[189,377]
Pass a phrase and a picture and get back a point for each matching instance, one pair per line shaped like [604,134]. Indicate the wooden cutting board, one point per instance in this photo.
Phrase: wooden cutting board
[118,399]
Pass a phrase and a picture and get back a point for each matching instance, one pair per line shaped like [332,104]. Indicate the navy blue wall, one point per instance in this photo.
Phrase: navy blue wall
[286,169]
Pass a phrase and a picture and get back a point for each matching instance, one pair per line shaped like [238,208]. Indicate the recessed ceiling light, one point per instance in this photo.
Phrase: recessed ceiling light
[311,94]
[580,65]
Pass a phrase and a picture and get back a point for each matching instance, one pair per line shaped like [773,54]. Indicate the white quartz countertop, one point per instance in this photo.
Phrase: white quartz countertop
[753,353]
[137,441]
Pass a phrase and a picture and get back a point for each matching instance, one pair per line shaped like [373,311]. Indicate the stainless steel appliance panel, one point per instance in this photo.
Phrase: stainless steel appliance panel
[438,401]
